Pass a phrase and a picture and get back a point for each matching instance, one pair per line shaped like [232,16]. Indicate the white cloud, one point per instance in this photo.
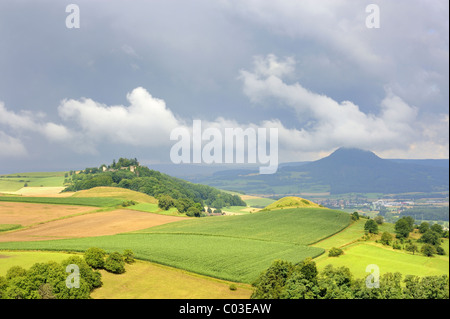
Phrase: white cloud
[11,147]
[16,121]
[332,124]
[56,132]
[145,122]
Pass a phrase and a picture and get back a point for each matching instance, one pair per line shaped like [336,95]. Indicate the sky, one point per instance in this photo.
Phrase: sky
[326,74]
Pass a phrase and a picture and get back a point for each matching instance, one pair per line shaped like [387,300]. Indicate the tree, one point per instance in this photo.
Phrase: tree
[193,212]
[438,229]
[402,228]
[386,238]
[165,202]
[371,226]
[308,268]
[430,237]
[412,248]
[114,263]
[270,284]
[428,250]
[379,220]
[15,271]
[95,257]
[424,226]
[355,216]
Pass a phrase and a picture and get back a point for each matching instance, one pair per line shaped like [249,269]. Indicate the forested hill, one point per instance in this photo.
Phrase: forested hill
[127,173]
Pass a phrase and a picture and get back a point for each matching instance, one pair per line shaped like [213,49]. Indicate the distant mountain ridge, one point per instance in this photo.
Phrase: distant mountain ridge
[347,170]
[353,170]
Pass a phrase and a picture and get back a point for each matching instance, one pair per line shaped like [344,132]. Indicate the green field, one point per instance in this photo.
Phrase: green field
[259,202]
[26,259]
[348,235]
[153,208]
[358,256]
[235,248]
[235,259]
[14,182]
[302,226]
[82,201]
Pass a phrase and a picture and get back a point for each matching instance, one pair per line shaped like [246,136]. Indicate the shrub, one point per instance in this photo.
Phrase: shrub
[335,252]
[440,251]
[95,257]
[128,203]
[233,287]
[128,256]
[114,263]
[386,238]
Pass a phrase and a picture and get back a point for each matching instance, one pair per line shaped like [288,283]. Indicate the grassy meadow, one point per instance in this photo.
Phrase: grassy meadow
[27,258]
[81,201]
[359,253]
[14,182]
[358,256]
[144,280]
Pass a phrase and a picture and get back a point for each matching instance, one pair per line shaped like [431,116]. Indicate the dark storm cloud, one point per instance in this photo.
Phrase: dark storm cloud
[192,54]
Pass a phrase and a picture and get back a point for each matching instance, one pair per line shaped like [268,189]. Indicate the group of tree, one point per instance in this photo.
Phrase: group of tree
[155,184]
[50,280]
[285,280]
[431,237]
[114,262]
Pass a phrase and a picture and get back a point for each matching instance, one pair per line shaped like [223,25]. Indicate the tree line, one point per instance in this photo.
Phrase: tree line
[285,280]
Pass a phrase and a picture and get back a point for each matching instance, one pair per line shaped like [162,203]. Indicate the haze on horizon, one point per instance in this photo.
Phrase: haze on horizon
[134,71]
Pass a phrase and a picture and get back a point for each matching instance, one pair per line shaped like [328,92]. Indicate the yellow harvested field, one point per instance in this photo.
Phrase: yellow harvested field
[247,197]
[144,280]
[27,214]
[41,191]
[89,225]
[116,192]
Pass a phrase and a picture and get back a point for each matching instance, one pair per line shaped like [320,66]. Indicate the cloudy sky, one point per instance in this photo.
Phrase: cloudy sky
[135,70]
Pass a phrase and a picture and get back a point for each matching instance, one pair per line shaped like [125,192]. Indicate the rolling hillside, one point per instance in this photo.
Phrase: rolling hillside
[291,202]
[234,248]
